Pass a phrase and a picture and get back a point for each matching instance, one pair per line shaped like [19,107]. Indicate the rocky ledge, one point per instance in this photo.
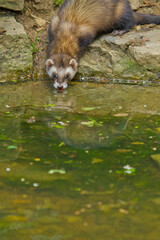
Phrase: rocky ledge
[135,55]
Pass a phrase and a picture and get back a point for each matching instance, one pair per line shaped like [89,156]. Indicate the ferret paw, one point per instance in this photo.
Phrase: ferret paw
[119,32]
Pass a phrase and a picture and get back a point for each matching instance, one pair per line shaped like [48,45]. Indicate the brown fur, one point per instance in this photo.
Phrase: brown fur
[81,18]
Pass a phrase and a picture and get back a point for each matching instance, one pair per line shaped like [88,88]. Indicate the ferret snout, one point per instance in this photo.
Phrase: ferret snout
[60,85]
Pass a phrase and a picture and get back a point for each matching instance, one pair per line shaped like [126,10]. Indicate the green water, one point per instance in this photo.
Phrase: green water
[79,165]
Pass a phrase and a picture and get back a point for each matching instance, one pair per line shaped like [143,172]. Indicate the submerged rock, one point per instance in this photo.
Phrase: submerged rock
[16,5]
[135,55]
[15,50]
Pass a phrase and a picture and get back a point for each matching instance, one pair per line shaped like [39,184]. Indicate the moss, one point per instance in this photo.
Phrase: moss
[16,76]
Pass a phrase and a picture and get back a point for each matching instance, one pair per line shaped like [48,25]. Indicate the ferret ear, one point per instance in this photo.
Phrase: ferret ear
[73,63]
[49,63]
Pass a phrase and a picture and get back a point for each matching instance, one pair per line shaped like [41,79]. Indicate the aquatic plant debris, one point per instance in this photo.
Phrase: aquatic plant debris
[61,171]
[11,147]
[8,169]
[61,144]
[31,119]
[78,189]
[97,160]
[123,150]
[91,123]
[120,115]
[88,108]
[49,105]
[137,143]
[35,184]
[127,169]
[57,126]
[37,159]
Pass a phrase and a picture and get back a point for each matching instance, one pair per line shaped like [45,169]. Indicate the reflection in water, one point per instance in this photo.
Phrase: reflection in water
[88,133]
[61,100]
[82,132]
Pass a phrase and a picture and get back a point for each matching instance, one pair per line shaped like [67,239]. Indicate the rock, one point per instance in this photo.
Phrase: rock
[148,55]
[15,50]
[40,22]
[16,5]
[135,4]
[135,55]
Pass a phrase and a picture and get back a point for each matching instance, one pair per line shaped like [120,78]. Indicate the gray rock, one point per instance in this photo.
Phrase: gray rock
[135,55]
[15,50]
[16,5]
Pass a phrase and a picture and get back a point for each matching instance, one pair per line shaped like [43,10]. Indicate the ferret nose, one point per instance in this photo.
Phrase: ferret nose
[60,86]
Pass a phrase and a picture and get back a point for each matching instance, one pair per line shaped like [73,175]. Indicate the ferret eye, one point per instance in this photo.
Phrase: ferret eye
[54,76]
[67,77]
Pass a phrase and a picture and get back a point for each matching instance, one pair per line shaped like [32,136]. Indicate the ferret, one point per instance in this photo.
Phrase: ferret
[77,24]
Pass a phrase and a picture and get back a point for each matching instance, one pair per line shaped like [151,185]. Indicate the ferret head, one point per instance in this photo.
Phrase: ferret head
[62,69]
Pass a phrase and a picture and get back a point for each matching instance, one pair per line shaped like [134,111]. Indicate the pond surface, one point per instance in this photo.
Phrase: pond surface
[81,165]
